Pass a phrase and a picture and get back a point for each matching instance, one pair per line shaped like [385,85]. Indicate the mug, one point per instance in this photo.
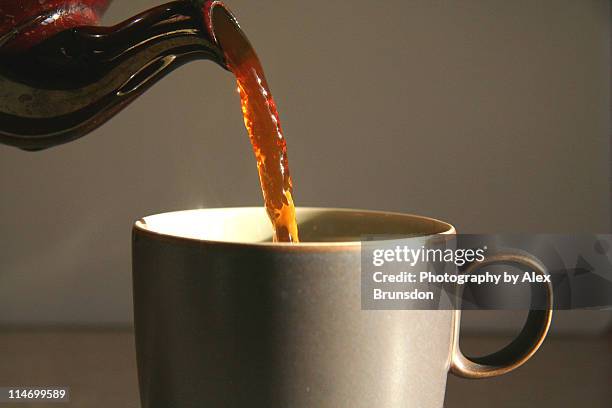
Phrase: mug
[224,317]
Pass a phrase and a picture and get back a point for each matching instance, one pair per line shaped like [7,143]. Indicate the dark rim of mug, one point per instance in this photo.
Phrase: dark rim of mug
[140,227]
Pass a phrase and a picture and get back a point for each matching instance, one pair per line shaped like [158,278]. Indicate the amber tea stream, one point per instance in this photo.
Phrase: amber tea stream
[262,123]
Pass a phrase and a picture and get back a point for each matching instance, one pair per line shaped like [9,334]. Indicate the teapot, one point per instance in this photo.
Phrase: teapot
[62,75]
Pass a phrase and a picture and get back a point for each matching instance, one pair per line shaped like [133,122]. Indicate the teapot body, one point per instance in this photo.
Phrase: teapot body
[24,23]
[58,84]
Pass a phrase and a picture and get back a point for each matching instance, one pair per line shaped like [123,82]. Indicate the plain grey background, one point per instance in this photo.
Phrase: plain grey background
[492,115]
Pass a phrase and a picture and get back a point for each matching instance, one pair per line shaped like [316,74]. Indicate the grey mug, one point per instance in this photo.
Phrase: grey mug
[226,318]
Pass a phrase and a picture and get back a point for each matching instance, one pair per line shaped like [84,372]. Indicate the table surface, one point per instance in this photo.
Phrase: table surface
[99,367]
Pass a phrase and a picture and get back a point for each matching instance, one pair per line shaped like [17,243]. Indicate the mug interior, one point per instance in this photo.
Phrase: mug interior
[251,225]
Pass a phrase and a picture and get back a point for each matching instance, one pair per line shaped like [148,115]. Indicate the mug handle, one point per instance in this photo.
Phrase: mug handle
[525,344]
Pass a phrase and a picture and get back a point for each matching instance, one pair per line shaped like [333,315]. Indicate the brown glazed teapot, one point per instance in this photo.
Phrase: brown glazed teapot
[62,75]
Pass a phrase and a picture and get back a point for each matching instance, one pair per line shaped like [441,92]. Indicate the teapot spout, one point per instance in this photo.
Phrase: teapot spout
[65,86]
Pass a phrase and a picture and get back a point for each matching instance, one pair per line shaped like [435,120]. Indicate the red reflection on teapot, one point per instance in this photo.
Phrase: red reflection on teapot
[24,23]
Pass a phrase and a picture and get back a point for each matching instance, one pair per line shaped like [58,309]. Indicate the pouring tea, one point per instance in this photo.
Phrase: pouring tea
[61,79]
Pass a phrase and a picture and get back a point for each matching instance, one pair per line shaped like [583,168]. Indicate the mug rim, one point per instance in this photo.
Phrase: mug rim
[140,227]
